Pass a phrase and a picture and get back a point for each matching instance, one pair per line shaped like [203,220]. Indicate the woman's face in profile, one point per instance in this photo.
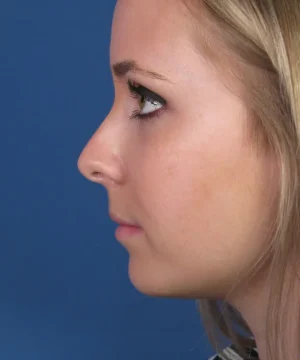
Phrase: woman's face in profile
[188,175]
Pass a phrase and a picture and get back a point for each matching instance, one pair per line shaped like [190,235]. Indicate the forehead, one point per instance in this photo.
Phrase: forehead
[157,34]
[143,28]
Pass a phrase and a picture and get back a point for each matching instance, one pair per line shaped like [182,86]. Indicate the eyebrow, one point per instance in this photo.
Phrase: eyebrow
[120,69]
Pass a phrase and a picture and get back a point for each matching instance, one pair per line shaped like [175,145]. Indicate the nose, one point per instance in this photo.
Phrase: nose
[99,160]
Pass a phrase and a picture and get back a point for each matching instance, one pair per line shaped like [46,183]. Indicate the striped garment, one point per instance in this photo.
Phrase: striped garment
[233,354]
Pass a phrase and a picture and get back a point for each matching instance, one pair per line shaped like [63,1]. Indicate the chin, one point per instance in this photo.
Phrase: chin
[159,284]
[146,284]
[155,280]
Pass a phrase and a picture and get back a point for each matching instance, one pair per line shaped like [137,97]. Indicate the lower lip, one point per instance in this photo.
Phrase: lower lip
[124,231]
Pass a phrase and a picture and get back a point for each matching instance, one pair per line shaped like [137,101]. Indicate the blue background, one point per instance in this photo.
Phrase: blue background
[65,292]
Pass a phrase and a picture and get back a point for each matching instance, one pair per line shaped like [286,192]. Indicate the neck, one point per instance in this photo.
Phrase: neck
[253,308]
[253,305]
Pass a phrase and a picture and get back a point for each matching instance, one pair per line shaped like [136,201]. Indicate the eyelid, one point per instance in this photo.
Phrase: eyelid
[143,91]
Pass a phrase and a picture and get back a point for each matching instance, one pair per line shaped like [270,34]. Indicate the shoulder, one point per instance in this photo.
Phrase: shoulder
[231,353]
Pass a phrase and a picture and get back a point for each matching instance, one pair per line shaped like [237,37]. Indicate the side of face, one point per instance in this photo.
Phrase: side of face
[189,177]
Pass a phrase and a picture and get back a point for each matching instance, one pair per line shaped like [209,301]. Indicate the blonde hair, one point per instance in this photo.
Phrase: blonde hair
[262,41]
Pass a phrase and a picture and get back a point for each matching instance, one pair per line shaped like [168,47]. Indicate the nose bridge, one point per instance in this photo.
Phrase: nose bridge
[100,159]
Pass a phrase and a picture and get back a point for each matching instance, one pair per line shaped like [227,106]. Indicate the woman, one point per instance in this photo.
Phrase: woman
[200,155]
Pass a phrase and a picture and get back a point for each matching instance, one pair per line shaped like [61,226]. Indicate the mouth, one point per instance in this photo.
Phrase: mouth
[122,221]
[127,231]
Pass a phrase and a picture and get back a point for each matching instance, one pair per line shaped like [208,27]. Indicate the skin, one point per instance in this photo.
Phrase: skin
[190,178]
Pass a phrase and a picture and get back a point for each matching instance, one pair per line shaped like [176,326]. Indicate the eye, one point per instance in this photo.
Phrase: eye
[150,103]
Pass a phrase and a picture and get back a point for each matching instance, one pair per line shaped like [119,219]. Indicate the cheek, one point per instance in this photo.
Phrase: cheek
[206,207]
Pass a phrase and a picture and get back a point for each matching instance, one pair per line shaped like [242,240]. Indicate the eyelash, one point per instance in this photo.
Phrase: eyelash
[136,91]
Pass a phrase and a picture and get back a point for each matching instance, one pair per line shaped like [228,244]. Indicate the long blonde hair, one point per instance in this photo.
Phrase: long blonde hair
[263,36]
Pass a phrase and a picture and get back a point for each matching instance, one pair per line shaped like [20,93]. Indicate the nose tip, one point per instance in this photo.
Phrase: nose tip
[106,170]
[100,159]
[91,170]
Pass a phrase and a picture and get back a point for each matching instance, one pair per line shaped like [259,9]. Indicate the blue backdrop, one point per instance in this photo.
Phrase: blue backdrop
[65,292]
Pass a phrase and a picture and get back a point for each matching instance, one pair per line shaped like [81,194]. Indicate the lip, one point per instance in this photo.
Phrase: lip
[122,222]
[124,232]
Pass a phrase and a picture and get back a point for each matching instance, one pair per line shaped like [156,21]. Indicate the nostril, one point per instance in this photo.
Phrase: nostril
[97,175]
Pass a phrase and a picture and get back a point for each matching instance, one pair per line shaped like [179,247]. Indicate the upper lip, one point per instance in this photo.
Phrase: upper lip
[121,221]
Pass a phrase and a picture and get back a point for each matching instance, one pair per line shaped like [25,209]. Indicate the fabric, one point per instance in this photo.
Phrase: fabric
[232,353]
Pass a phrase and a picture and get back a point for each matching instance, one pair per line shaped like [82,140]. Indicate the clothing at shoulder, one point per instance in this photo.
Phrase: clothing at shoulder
[232,353]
